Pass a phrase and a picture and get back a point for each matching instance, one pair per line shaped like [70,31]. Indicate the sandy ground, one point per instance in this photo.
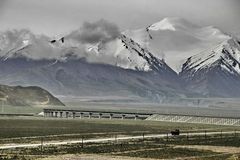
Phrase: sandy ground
[90,157]
[218,149]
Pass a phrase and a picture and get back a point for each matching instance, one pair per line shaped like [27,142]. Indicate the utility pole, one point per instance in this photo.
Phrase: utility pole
[82,141]
[2,107]
[115,138]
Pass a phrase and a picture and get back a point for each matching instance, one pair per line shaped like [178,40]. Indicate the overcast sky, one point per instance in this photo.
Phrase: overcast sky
[55,17]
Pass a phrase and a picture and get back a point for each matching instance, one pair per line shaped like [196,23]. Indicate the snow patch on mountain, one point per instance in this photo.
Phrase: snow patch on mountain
[162,25]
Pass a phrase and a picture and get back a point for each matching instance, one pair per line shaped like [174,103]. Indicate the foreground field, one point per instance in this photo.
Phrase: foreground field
[34,126]
[36,129]
[154,148]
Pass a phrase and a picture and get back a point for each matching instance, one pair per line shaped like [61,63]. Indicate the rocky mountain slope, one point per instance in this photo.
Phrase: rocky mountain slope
[27,96]
[81,78]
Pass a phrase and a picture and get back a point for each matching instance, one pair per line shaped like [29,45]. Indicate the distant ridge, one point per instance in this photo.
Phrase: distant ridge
[27,96]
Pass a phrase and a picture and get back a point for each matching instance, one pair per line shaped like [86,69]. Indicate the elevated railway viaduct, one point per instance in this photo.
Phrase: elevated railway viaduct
[215,120]
[67,113]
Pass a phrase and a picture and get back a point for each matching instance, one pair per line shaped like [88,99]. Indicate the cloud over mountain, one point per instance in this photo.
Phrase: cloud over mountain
[99,31]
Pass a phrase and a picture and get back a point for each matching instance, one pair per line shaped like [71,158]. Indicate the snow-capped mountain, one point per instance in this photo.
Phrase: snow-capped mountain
[215,71]
[73,73]
[227,52]
[154,61]
[16,43]
[209,58]
[23,43]
[175,39]
[172,39]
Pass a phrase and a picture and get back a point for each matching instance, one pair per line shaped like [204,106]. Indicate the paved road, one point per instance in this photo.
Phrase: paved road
[96,140]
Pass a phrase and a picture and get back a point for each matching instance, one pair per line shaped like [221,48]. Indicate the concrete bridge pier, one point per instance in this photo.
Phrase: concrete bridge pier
[81,115]
[56,114]
[61,114]
[90,115]
[110,116]
[74,114]
[67,114]
[123,116]
[51,114]
[136,117]
[100,115]
[45,114]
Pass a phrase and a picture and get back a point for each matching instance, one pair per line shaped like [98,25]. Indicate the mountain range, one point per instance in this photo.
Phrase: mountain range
[170,58]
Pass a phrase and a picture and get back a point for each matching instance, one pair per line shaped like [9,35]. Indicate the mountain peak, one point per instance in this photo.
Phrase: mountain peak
[228,50]
[215,71]
[171,23]
[164,24]
[153,62]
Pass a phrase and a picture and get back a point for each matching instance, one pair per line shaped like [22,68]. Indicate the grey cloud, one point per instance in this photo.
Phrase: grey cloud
[2,3]
[99,31]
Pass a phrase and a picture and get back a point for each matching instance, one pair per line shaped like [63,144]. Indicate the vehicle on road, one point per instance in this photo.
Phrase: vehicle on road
[176,132]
